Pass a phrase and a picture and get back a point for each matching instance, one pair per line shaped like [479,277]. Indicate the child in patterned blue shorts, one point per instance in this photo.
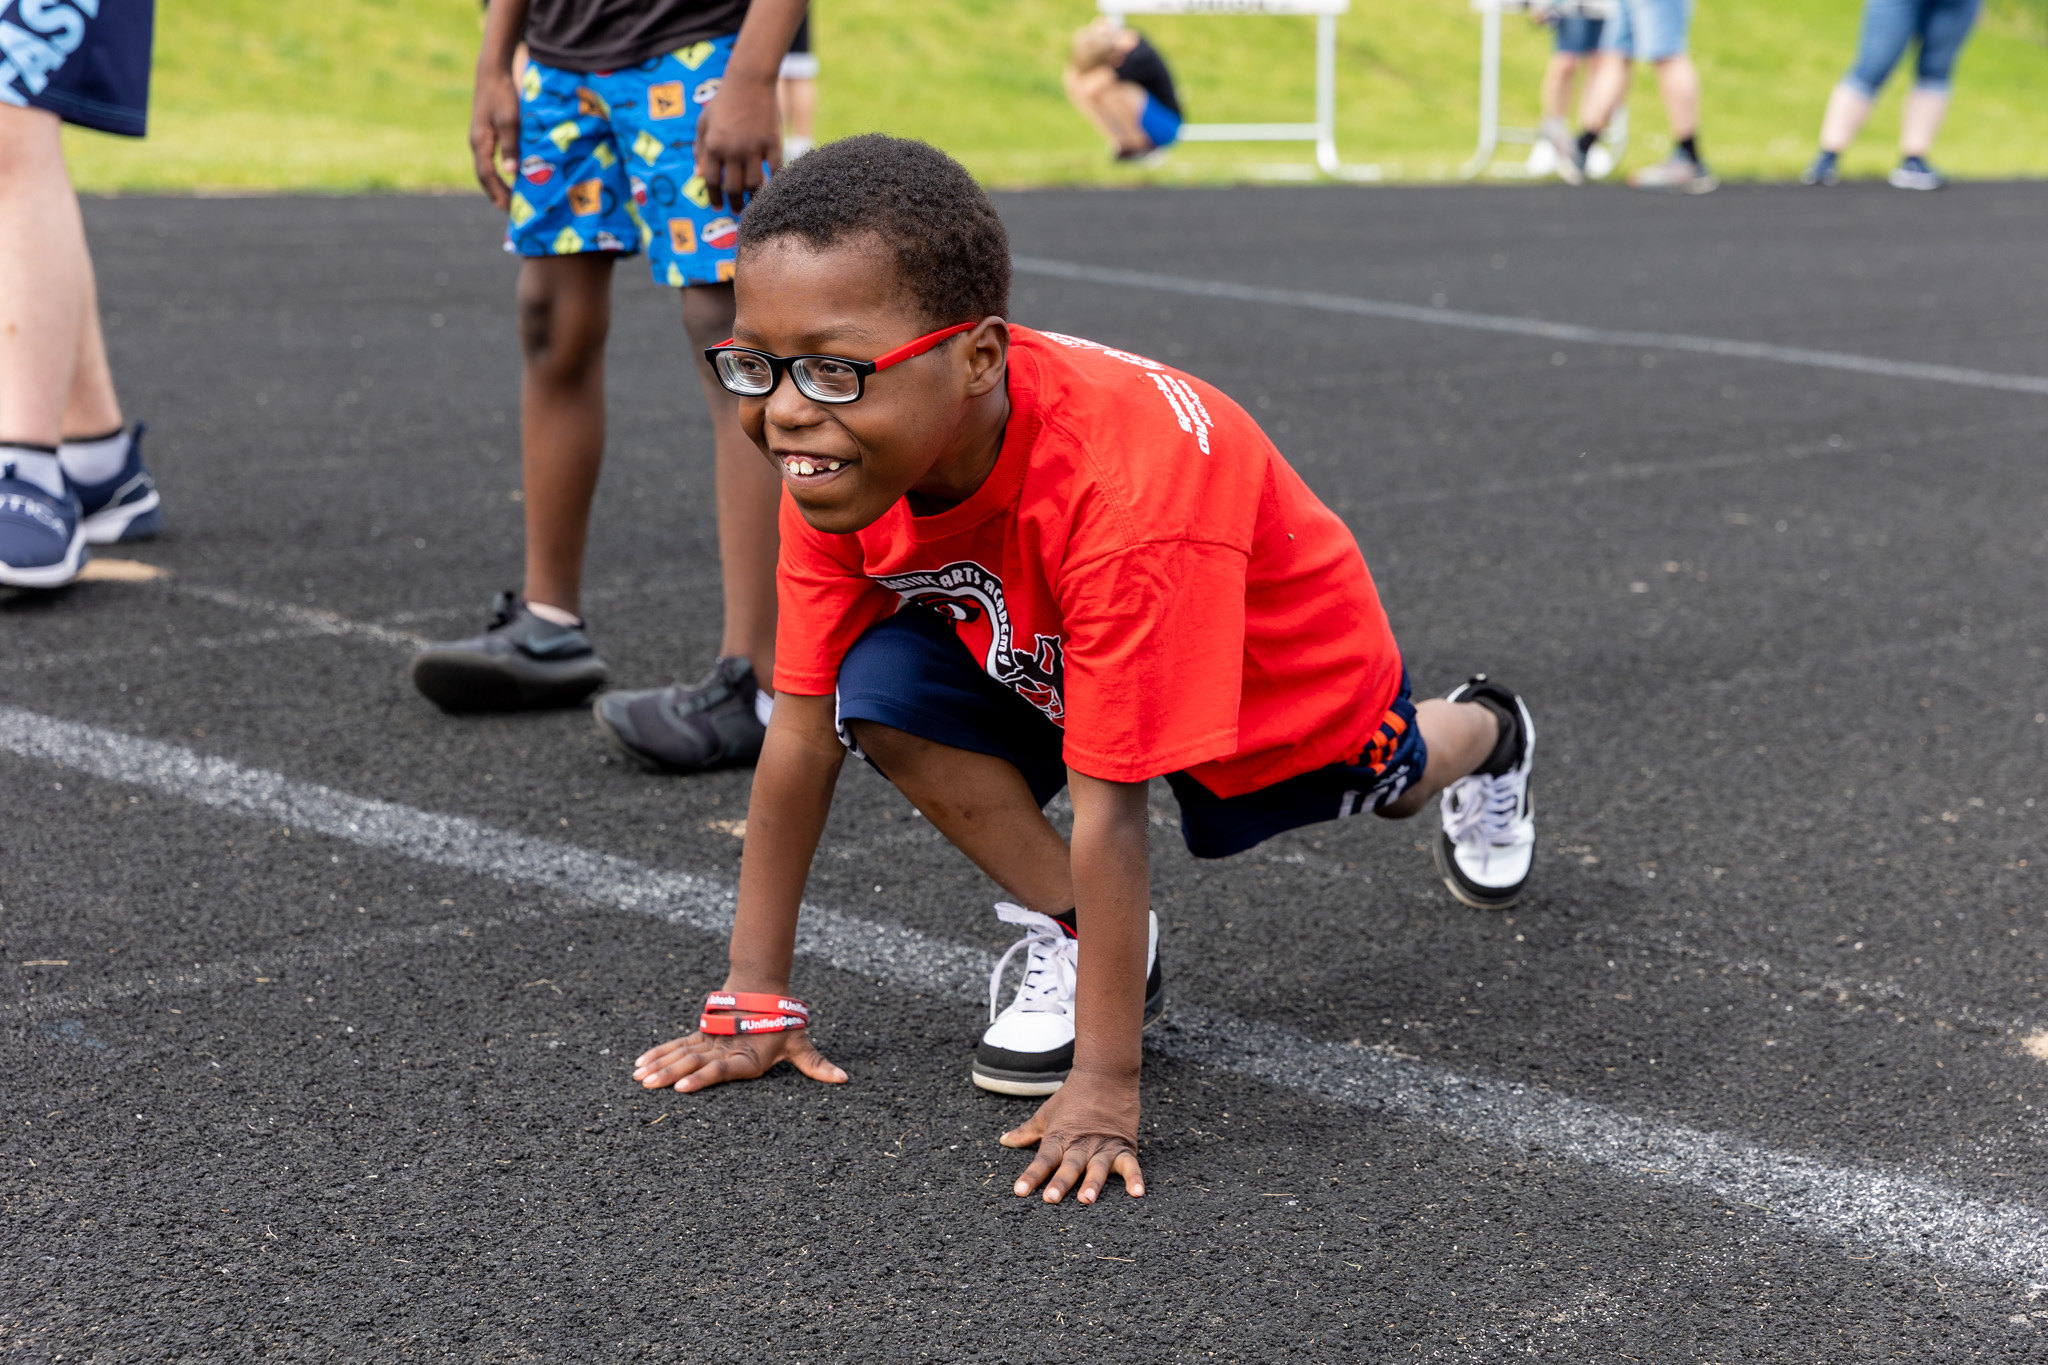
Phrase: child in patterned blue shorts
[637,127]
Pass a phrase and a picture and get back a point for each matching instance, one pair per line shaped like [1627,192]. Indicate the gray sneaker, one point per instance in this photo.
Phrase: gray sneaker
[519,663]
[688,728]
[1914,173]
[1677,173]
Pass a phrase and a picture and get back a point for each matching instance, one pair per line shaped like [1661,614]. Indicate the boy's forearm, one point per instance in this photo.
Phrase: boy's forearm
[1113,898]
[504,28]
[764,38]
[792,795]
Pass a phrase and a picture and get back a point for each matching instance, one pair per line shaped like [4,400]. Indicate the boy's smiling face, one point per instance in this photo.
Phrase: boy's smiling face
[930,425]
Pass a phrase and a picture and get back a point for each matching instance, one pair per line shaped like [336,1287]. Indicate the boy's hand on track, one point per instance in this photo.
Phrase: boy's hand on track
[494,135]
[1086,1131]
[700,1060]
[740,129]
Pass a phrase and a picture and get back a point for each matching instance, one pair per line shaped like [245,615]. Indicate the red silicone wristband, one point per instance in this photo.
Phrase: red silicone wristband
[755,1002]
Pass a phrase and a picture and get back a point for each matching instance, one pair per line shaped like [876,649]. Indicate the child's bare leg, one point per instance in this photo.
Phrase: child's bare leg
[1110,105]
[749,491]
[1459,736]
[1556,90]
[564,313]
[91,408]
[44,275]
[985,808]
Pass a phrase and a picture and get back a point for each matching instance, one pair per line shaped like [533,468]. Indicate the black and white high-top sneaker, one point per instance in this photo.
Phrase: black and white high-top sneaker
[1488,840]
[1028,1048]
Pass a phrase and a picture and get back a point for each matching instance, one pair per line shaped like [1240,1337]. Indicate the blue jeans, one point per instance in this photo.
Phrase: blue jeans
[1648,30]
[1888,25]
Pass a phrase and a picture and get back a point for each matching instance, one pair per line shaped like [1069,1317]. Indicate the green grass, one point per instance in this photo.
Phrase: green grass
[374,94]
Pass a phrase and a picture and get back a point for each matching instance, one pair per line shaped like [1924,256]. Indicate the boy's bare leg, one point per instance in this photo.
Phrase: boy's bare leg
[1678,80]
[1113,106]
[1606,88]
[44,278]
[985,808]
[1556,90]
[749,496]
[564,313]
[1459,736]
[91,409]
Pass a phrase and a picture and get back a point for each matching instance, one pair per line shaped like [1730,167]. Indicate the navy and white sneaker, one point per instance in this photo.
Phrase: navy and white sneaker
[42,535]
[1913,173]
[1028,1048]
[1487,844]
[125,507]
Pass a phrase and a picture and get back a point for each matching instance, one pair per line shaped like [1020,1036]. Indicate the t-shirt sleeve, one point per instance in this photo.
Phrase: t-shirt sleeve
[1154,658]
[824,602]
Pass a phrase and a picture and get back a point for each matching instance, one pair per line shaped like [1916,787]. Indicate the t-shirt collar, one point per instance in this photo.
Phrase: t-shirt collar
[998,492]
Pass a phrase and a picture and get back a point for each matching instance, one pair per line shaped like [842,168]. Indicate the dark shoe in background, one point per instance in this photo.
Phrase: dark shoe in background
[688,727]
[519,663]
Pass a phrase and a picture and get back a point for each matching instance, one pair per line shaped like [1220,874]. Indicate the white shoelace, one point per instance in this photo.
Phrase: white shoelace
[1485,804]
[1050,962]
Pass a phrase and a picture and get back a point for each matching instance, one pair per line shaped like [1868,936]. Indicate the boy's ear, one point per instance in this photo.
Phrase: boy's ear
[988,354]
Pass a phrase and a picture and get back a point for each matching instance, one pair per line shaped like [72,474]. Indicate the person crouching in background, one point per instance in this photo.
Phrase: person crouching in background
[1121,83]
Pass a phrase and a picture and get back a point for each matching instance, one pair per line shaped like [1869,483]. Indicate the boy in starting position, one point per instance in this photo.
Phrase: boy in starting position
[1014,561]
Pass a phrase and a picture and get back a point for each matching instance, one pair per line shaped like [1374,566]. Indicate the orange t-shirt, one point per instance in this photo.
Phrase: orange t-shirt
[1141,565]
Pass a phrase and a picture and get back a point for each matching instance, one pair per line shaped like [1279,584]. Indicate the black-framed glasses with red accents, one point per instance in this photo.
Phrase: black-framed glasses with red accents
[820,378]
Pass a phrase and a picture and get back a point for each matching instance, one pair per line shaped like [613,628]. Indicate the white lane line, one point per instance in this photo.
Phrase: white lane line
[246,640]
[1868,1206]
[1532,327]
[313,619]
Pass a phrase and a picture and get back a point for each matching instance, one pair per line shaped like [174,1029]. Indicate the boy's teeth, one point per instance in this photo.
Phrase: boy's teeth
[804,467]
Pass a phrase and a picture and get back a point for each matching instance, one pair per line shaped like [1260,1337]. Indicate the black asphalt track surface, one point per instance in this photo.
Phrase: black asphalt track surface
[1781,628]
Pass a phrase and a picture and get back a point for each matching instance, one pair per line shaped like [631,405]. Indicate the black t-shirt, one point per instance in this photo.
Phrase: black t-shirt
[606,35]
[1143,65]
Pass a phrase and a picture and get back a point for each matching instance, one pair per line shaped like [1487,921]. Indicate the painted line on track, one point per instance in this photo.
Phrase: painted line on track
[1532,327]
[1868,1206]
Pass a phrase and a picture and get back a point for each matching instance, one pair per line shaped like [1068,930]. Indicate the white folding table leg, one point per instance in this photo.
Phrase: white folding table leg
[1326,93]
[1489,92]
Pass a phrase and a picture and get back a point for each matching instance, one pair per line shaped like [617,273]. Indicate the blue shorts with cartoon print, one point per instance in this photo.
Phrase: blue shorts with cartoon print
[608,162]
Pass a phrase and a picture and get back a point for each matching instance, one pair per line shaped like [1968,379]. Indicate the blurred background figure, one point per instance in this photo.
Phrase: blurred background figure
[1576,26]
[1658,32]
[798,93]
[70,471]
[1120,82]
[1888,25]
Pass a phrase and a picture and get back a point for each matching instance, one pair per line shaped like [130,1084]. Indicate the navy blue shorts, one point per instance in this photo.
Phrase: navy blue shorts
[911,673]
[86,63]
[1578,35]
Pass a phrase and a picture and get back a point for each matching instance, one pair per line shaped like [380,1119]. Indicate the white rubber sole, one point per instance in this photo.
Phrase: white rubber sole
[106,527]
[1454,881]
[50,575]
[1032,1089]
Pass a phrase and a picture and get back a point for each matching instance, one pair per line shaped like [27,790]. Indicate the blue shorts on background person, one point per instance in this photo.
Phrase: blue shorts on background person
[1889,25]
[608,163]
[1159,123]
[85,62]
[1649,30]
[1578,34]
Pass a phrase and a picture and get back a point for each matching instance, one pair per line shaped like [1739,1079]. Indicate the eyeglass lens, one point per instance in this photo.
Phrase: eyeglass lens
[821,377]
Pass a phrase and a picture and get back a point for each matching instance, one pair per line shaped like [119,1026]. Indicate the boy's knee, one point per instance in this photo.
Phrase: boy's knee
[560,327]
[882,742]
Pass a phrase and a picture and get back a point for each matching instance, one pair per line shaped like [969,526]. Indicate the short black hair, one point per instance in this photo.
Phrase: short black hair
[950,247]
